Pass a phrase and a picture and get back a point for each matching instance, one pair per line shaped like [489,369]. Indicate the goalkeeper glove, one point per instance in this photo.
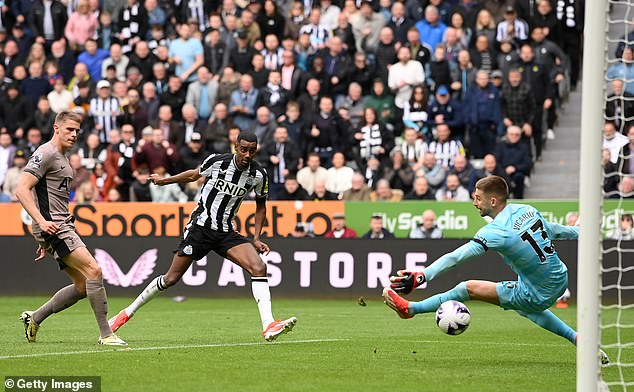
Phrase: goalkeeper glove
[406,281]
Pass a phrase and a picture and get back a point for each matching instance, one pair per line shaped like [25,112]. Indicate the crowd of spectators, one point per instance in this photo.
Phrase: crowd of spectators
[354,100]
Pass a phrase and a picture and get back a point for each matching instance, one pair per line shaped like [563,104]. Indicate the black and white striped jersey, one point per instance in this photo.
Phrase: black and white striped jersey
[224,189]
[104,112]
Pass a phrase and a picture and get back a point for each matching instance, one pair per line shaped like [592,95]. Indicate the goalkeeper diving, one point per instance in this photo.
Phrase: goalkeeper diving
[522,237]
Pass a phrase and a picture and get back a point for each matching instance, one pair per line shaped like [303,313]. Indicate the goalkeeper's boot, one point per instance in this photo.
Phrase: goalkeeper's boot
[30,326]
[119,320]
[396,302]
[278,327]
[112,340]
[603,357]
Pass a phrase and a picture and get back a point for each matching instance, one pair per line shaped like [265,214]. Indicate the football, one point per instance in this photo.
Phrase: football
[453,317]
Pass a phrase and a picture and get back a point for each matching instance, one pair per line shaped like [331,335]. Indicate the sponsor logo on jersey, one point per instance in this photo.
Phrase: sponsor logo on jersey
[230,188]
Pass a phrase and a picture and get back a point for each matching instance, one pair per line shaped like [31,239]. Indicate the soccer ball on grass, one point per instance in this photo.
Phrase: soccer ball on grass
[453,317]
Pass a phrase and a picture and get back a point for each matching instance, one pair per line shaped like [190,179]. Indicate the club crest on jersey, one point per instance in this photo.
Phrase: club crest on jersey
[188,250]
[229,188]
[37,159]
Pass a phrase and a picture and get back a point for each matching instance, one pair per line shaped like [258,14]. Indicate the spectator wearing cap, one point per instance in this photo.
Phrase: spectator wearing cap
[193,153]
[82,25]
[93,57]
[13,175]
[383,103]
[366,26]
[24,40]
[60,98]
[186,54]
[445,109]
[104,110]
[47,20]
[202,94]
[497,79]
[483,115]
[514,158]
[339,229]
[241,55]
[431,28]
[512,28]
[118,59]
[16,113]
[427,229]
[377,231]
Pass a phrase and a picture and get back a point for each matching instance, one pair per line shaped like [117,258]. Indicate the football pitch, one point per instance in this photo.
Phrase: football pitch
[337,345]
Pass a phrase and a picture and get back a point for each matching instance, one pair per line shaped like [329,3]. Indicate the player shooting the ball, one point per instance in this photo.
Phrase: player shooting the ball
[228,179]
[522,237]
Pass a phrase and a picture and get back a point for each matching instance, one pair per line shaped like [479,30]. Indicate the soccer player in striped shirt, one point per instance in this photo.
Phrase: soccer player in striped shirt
[522,237]
[228,179]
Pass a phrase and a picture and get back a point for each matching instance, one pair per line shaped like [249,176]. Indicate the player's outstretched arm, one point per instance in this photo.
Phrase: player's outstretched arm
[467,251]
[23,192]
[559,232]
[181,178]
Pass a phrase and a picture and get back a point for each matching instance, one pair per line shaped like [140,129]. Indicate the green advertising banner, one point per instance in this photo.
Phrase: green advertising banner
[461,219]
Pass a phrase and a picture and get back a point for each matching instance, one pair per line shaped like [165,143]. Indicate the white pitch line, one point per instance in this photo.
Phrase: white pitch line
[484,343]
[179,347]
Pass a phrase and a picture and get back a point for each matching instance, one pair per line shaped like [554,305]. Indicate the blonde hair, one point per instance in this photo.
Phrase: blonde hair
[67,115]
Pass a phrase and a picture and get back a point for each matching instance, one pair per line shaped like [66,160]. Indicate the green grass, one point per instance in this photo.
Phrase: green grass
[365,348]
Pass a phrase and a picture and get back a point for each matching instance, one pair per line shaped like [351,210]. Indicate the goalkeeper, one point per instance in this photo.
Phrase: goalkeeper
[523,238]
